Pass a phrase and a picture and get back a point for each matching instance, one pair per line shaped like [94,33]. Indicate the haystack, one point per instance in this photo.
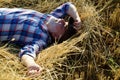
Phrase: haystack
[88,55]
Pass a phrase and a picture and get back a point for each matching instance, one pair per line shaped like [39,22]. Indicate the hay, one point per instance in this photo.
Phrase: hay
[92,54]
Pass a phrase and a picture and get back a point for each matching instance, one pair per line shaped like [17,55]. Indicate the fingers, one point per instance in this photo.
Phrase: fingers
[34,71]
[77,25]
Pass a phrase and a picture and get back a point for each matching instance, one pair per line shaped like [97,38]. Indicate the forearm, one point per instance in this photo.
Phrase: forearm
[32,67]
[28,53]
[27,60]
[72,11]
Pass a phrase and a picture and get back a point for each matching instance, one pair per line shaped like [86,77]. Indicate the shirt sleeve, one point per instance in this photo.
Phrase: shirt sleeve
[32,49]
[61,11]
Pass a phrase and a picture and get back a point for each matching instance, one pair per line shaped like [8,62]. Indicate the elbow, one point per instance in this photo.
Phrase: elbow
[71,6]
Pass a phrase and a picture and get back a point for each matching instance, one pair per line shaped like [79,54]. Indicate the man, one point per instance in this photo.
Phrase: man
[35,30]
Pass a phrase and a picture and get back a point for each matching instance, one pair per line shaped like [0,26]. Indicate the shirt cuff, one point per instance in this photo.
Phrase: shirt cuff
[33,55]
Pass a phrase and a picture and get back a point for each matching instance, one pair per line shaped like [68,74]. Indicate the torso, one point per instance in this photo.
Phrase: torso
[23,25]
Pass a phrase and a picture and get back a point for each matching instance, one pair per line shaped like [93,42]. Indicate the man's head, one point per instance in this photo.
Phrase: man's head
[56,27]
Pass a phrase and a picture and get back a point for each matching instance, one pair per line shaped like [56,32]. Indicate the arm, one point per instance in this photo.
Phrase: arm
[72,11]
[67,9]
[28,55]
[31,65]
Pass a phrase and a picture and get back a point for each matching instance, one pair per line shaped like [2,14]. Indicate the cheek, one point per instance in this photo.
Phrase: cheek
[52,27]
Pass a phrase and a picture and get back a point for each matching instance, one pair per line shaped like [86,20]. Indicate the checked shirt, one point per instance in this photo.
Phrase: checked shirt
[27,27]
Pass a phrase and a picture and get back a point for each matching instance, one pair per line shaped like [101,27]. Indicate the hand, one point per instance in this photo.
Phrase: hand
[77,25]
[34,70]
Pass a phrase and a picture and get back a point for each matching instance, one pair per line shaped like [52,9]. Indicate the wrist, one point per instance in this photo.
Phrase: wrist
[27,60]
[77,20]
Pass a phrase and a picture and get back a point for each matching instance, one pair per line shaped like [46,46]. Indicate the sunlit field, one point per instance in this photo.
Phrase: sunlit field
[93,53]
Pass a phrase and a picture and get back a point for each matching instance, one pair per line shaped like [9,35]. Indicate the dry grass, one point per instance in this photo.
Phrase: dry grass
[92,54]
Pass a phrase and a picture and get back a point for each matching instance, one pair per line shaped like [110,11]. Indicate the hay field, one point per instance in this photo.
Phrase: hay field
[91,54]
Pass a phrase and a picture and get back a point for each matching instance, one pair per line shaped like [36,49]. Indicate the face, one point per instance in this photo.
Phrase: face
[57,27]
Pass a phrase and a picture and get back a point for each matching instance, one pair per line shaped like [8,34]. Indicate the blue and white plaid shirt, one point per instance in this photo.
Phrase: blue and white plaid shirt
[28,27]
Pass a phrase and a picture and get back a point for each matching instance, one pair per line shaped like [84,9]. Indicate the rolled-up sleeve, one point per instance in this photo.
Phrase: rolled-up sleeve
[61,11]
[32,49]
